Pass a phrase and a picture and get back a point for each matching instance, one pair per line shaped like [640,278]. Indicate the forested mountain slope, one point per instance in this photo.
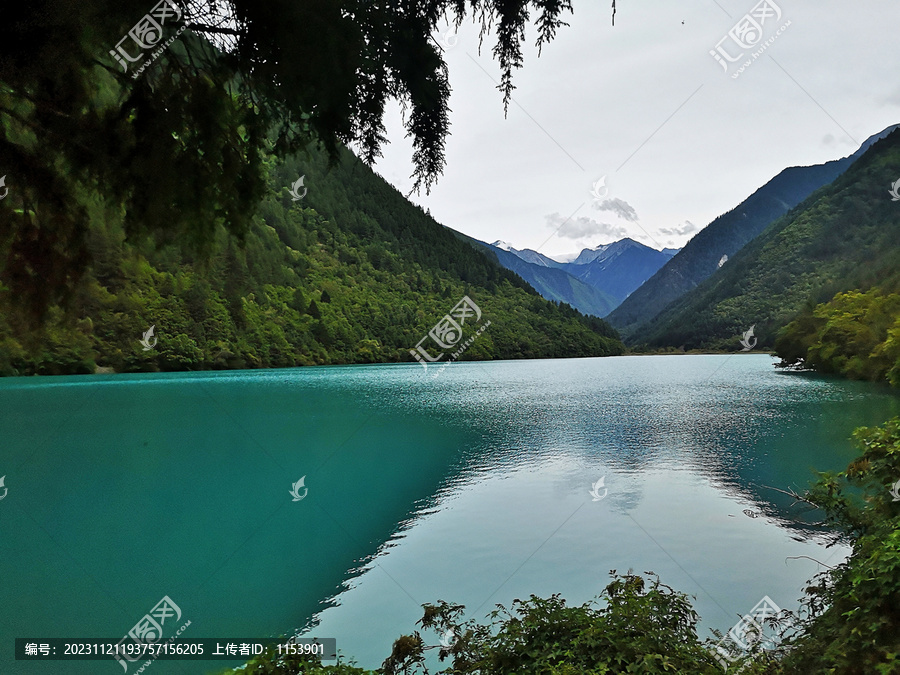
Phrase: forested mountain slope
[725,236]
[595,282]
[350,273]
[855,334]
[554,283]
[846,236]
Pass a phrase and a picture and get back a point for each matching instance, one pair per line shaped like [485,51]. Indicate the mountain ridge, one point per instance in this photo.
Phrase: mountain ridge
[844,237]
[611,270]
[351,273]
[725,236]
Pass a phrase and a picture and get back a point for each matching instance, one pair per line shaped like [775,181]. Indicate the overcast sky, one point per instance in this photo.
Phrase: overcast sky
[679,140]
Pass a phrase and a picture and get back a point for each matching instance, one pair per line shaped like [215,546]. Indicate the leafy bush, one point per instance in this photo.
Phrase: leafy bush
[855,334]
[638,625]
[853,623]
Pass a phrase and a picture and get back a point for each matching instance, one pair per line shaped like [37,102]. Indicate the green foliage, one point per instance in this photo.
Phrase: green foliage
[273,663]
[352,274]
[845,236]
[179,147]
[79,143]
[855,334]
[641,626]
[637,625]
[849,622]
[852,625]
[726,235]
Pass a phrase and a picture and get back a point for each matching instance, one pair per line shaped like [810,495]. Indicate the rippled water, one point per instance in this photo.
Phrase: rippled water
[473,487]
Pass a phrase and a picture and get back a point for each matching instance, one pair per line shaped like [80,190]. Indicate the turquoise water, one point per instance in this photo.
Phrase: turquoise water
[473,487]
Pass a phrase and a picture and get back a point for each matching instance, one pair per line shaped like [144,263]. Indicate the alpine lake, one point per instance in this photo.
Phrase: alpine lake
[477,484]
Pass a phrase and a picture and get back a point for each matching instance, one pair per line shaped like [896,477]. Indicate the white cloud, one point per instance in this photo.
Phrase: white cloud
[645,104]
[620,207]
[680,230]
[583,227]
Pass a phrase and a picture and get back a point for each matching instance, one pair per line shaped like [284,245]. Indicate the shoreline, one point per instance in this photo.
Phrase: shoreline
[108,370]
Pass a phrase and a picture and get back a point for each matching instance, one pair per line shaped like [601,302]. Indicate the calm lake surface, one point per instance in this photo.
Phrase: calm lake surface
[473,487]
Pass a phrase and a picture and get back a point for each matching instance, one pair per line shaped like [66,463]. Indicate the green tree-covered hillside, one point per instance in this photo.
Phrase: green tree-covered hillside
[855,334]
[725,236]
[350,273]
[845,236]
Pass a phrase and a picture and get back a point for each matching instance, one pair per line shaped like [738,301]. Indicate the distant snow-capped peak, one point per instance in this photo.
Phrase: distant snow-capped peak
[506,246]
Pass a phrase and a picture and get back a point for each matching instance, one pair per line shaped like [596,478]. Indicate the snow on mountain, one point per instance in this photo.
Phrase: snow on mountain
[615,269]
[506,246]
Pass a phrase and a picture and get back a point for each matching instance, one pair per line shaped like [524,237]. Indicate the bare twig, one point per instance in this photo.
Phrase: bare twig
[792,493]
[796,557]
[205,28]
